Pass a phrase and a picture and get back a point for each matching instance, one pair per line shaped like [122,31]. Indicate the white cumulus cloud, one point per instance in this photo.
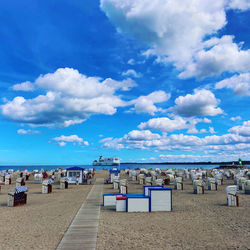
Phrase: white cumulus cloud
[131,61]
[240,84]
[210,156]
[70,98]
[141,135]
[24,86]
[176,31]
[222,55]
[115,143]
[243,130]
[235,118]
[211,130]
[164,124]
[132,73]
[27,132]
[146,104]
[239,4]
[63,140]
[201,103]
[72,83]
[237,141]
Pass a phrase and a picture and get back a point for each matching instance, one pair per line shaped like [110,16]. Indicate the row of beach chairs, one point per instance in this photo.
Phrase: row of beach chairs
[18,195]
[153,198]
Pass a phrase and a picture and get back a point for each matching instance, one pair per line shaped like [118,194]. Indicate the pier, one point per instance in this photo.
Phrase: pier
[82,233]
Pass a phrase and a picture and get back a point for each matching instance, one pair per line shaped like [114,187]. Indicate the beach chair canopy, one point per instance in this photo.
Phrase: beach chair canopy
[74,168]
[48,182]
[21,189]
[114,171]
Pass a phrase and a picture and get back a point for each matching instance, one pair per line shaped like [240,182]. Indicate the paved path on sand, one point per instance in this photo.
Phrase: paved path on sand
[82,233]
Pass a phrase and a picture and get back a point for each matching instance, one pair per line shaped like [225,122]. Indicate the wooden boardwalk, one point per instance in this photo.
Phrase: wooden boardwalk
[82,233]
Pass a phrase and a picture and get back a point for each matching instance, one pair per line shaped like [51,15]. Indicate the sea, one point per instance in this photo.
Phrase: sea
[122,166]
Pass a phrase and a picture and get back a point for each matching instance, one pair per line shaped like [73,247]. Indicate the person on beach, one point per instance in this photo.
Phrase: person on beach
[84,177]
[45,175]
[77,180]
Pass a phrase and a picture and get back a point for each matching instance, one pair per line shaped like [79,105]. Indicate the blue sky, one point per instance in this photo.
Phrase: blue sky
[146,81]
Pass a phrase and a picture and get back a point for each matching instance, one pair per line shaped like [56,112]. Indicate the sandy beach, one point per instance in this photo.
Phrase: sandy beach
[97,93]
[196,222]
[41,223]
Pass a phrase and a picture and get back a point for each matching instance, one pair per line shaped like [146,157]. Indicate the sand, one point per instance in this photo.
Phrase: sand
[196,222]
[41,223]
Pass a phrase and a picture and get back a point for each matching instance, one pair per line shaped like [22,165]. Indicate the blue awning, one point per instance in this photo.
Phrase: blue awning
[111,171]
[75,168]
[21,189]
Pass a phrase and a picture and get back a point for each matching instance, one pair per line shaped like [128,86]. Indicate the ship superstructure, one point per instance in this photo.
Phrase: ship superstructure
[111,161]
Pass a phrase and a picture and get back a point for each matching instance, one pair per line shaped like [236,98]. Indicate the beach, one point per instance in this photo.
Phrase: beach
[196,222]
[101,97]
[41,223]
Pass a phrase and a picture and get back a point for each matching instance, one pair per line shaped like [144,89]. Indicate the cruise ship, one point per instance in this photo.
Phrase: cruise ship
[112,161]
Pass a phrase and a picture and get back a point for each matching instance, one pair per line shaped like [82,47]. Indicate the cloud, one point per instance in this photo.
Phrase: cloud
[70,82]
[180,142]
[243,130]
[191,123]
[220,156]
[142,135]
[132,73]
[239,4]
[222,55]
[146,104]
[236,118]
[62,143]
[194,130]
[165,124]
[24,86]
[202,102]
[238,138]
[177,31]
[72,122]
[131,61]
[227,139]
[240,84]
[114,143]
[211,130]
[203,130]
[70,98]
[63,140]
[27,132]
[205,120]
